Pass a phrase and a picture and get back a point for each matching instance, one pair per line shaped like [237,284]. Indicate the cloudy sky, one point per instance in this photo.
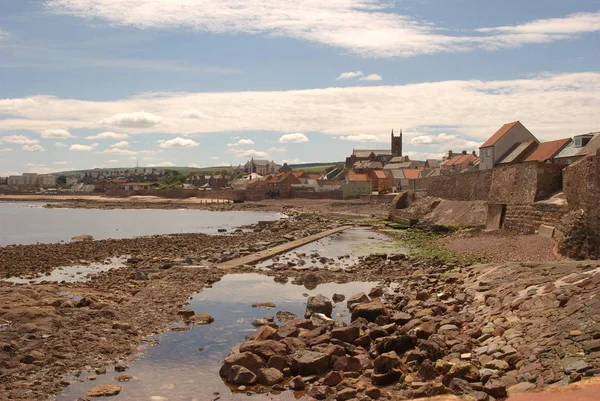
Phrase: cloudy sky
[103,83]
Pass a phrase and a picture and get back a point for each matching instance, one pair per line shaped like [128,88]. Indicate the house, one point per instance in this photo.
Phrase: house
[380,155]
[518,153]
[32,180]
[403,165]
[217,181]
[280,185]
[378,180]
[460,162]
[72,180]
[138,186]
[546,151]
[579,147]
[262,167]
[403,179]
[356,185]
[364,165]
[432,163]
[503,141]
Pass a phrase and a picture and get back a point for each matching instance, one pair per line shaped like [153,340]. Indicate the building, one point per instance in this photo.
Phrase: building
[356,185]
[378,180]
[504,140]
[459,162]
[381,155]
[138,186]
[46,181]
[280,185]
[579,147]
[546,151]
[262,167]
[32,181]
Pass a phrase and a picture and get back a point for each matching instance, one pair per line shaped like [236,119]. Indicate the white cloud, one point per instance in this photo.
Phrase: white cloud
[349,75]
[446,141]
[163,164]
[360,138]
[276,150]
[34,165]
[193,114]
[365,27]
[18,139]
[150,152]
[4,35]
[107,135]
[371,77]
[120,144]
[139,119]
[248,153]
[297,138]
[194,165]
[6,149]
[60,145]
[178,142]
[242,142]
[80,148]
[56,133]
[552,105]
[213,158]
[32,148]
[117,151]
[62,163]
[112,161]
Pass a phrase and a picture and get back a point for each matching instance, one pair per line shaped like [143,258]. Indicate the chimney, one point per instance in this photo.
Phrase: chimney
[464,152]
[449,154]
[474,154]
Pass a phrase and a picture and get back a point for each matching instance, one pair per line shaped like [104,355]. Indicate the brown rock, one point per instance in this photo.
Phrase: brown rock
[346,334]
[265,349]
[307,363]
[373,393]
[355,299]
[333,378]
[369,310]
[265,333]
[104,390]
[239,375]
[270,376]
[248,360]
[345,394]
[297,384]
[201,318]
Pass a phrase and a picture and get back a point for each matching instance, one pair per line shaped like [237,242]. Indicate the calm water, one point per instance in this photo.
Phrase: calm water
[174,370]
[28,223]
[343,248]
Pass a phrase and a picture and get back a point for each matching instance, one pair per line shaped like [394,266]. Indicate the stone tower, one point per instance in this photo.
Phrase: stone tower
[396,144]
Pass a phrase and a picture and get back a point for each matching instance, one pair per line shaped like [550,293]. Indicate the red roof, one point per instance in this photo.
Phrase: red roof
[457,160]
[358,177]
[379,174]
[547,150]
[411,173]
[499,134]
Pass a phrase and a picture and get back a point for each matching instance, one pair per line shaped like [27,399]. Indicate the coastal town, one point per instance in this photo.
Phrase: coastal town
[364,172]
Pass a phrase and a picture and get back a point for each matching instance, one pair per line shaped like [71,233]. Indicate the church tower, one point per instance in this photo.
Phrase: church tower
[396,144]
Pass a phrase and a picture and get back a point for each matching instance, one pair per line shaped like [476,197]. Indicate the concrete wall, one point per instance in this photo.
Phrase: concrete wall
[335,194]
[582,189]
[181,194]
[464,187]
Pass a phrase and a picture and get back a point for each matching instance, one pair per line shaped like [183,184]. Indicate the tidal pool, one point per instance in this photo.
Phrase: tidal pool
[175,369]
[71,274]
[339,250]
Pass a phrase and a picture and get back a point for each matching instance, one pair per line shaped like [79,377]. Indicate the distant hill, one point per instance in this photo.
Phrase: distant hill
[308,167]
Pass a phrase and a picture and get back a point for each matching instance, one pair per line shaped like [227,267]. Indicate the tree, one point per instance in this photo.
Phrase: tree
[61,180]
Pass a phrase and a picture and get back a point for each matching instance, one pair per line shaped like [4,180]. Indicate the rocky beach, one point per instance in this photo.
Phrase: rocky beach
[430,326]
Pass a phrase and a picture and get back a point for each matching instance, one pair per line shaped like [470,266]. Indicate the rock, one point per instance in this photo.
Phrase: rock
[239,375]
[270,376]
[79,238]
[347,364]
[307,363]
[332,379]
[119,367]
[345,394]
[264,305]
[123,378]
[346,334]
[592,345]
[359,298]
[279,362]
[140,276]
[201,318]
[369,310]
[425,330]
[248,360]
[495,387]
[318,304]
[520,388]
[292,328]
[338,298]
[285,317]
[320,319]
[460,386]
[373,393]
[387,369]
[297,384]
[265,349]
[401,318]
[186,313]
[461,370]
[496,364]
[104,390]
[577,366]
[265,333]
[320,392]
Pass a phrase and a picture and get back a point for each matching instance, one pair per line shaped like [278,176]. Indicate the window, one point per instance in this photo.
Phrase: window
[488,152]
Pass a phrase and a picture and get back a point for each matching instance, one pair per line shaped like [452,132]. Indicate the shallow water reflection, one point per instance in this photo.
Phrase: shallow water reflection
[175,370]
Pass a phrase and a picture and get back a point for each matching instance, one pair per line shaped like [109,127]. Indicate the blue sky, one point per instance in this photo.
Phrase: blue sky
[210,82]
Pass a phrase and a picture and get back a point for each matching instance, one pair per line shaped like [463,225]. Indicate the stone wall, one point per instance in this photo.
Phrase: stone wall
[528,218]
[463,187]
[582,189]
[334,194]
[181,194]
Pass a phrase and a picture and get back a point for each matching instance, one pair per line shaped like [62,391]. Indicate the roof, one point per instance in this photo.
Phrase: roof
[260,162]
[367,164]
[547,150]
[433,163]
[397,173]
[571,151]
[457,160]
[367,152]
[399,159]
[411,173]
[519,152]
[358,177]
[379,173]
[499,134]
[396,166]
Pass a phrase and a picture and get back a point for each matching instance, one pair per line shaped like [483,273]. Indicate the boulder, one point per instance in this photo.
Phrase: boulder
[338,298]
[369,310]
[520,388]
[201,318]
[104,390]
[265,349]
[279,362]
[345,394]
[320,392]
[239,375]
[307,363]
[285,317]
[346,334]
[347,364]
[79,238]
[297,384]
[270,376]
[356,299]
[318,304]
[265,333]
[332,379]
[292,328]
[248,360]
[387,369]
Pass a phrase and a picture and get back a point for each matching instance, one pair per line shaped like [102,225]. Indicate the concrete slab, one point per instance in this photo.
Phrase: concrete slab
[495,215]
[269,253]
[546,231]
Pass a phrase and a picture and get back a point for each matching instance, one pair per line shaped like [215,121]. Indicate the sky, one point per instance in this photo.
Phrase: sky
[112,83]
